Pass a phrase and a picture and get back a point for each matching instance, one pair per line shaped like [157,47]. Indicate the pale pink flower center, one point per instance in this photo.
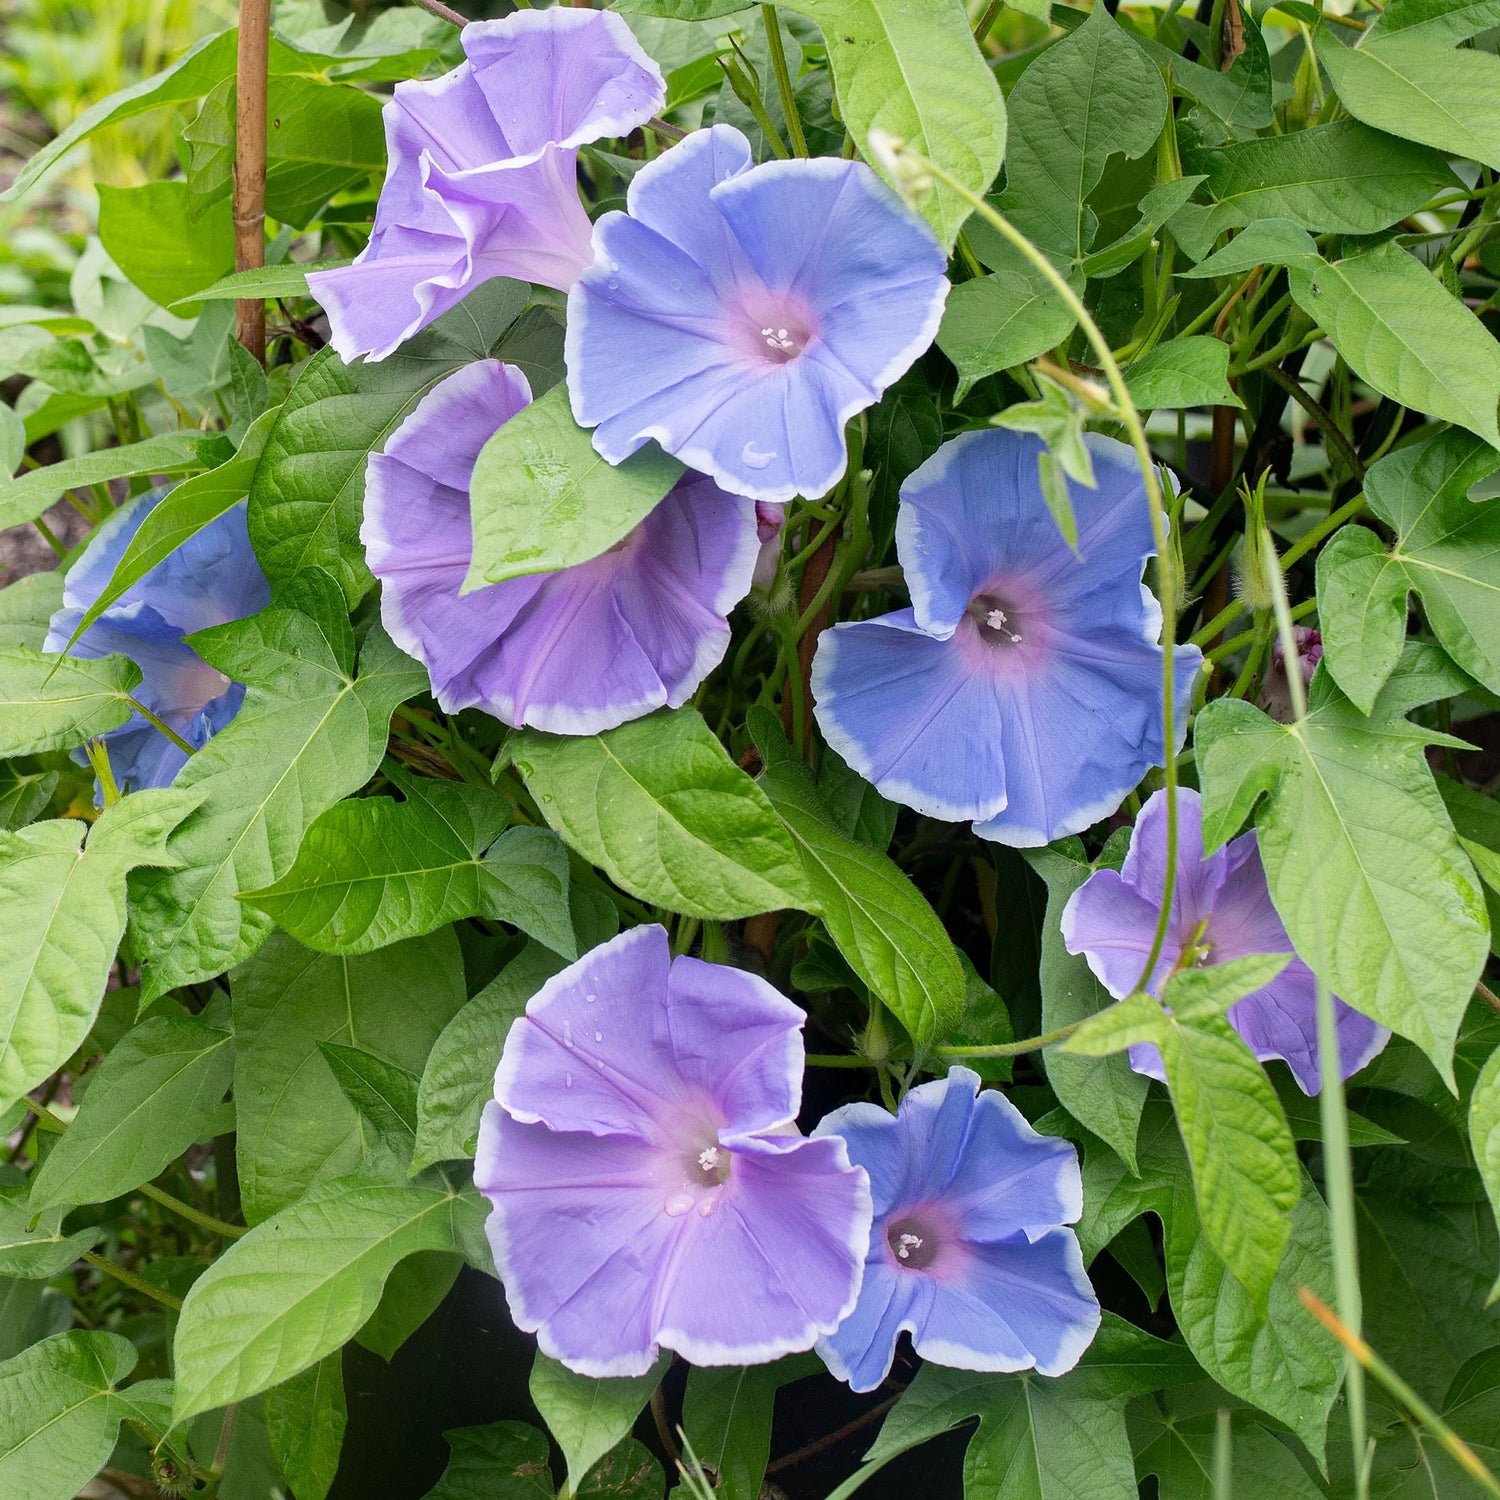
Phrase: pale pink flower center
[772,329]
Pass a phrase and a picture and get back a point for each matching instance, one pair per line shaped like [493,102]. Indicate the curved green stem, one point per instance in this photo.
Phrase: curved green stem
[58,1125]
[783,81]
[191,1214]
[1229,647]
[1012,1049]
[156,723]
[1338,1168]
[130,1279]
[1166,565]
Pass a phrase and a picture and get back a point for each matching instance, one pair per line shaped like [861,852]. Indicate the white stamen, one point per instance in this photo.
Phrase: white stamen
[995,619]
[778,338]
[708,1158]
[906,1243]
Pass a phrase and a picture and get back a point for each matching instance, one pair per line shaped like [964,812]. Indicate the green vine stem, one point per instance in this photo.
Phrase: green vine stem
[916,173]
[57,1125]
[130,1279]
[1338,1168]
[783,81]
[1365,1358]
[160,724]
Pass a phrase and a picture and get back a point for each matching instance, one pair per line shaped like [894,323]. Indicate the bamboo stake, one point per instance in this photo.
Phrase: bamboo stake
[250,166]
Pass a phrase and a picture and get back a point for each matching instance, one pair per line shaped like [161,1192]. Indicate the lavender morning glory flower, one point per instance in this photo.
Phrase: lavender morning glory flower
[211,579]
[740,315]
[1221,910]
[573,652]
[1023,688]
[482,178]
[968,1252]
[649,1187]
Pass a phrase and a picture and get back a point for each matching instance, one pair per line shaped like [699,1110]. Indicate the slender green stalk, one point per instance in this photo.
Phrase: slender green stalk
[55,1123]
[1267,321]
[1224,1457]
[1338,1167]
[191,1214]
[1367,1359]
[783,81]
[1229,647]
[226,1436]
[1217,306]
[1012,1049]
[1330,523]
[452,17]
[156,723]
[1332,432]
[48,537]
[1260,646]
[1289,345]
[986,22]
[130,1279]
[1166,563]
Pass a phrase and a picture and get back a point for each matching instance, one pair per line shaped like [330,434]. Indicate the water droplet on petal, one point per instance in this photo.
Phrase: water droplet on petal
[589,999]
[679,1204]
[598,1036]
[706,1205]
[756,458]
[567,1080]
[613,283]
[567,1034]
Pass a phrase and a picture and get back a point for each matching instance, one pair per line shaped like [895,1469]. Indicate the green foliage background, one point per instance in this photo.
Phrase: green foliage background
[247,1022]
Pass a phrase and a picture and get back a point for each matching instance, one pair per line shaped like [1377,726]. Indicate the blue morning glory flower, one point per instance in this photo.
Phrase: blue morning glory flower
[647,1184]
[969,1252]
[741,315]
[209,580]
[1023,688]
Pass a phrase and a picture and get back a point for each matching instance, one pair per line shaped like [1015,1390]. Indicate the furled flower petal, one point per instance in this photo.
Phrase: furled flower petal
[1023,688]
[1221,910]
[482,175]
[740,314]
[968,1252]
[573,652]
[647,1185]
[1276,691]
[212,578]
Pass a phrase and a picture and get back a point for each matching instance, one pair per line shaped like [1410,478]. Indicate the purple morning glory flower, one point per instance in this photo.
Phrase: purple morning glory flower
[482,178]
[211,579]
[740,315]
[573,652]
[1023,688]
[1221,910]
[648,1184]
[968,1252]
[1275,689]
